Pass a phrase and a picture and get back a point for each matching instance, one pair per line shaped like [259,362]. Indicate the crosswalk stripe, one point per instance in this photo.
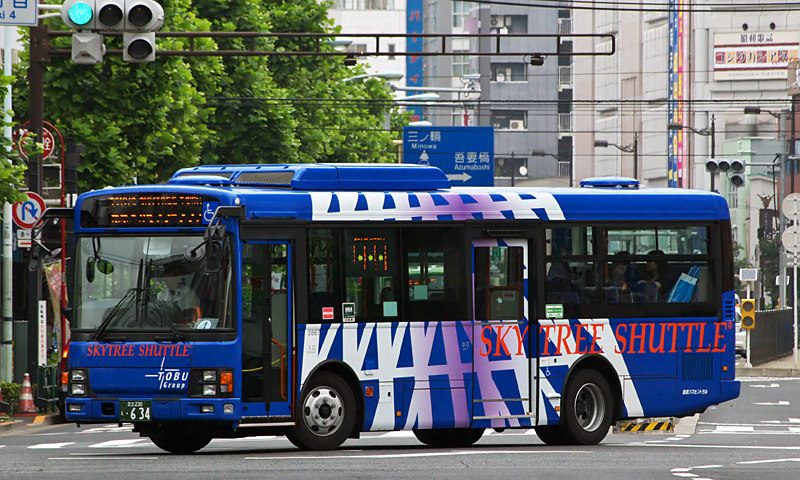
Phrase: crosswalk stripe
[43,446]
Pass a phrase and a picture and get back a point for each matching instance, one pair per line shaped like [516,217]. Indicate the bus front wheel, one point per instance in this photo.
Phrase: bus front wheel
[181,441]
[587,409]
[326,414]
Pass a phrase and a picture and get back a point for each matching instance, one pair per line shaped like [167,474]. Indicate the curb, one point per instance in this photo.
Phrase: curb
[21,423]
[767,372]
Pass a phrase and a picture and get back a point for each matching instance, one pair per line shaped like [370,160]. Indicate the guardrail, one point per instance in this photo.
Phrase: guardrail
[772,337]
[47,388]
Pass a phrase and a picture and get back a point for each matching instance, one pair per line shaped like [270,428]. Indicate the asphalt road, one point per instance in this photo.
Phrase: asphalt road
[754,436]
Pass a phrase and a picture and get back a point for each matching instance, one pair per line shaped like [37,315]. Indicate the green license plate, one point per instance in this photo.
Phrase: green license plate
[134,411]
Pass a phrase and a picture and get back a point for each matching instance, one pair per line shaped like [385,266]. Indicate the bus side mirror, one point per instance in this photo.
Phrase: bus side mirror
[36,257]
[213,256]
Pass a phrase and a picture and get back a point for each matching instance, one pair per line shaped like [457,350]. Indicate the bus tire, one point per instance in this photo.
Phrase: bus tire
[449,437]
[180,441]
[551,434]
[326,414]
[587,409]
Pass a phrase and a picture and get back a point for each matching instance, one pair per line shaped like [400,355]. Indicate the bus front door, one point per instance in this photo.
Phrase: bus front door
[266,321]
[501,354]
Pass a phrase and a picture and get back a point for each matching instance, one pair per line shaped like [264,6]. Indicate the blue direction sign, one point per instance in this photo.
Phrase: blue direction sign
[464,154]
[18,12]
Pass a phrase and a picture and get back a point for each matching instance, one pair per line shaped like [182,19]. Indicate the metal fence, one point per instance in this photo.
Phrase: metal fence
[47,388]
[772,337]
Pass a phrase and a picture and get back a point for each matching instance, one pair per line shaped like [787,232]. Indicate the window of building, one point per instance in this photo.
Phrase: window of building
[460,11]
[460,63]
[507,167]
[509,119]
[365,4]
[509,72]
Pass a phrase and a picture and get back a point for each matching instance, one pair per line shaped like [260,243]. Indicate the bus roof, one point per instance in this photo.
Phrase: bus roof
[351,192]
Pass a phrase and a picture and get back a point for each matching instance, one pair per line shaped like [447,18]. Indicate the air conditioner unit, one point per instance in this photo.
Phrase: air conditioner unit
[503,75]
[497,21]
[516,125]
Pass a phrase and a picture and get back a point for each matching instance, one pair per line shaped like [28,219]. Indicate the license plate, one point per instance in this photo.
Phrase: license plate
[134,411]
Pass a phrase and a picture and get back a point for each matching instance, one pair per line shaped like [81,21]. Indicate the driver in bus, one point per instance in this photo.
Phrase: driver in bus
[178,292]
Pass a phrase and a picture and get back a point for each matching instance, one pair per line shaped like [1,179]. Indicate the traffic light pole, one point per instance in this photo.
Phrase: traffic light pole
[781,221]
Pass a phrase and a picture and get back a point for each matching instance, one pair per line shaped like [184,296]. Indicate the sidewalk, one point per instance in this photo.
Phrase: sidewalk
[779,368]
[20,422]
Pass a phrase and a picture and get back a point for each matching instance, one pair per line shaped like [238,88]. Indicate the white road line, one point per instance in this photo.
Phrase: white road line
[734,428]
[413,455]
[91,457]
[781,403]
[130,442]
[43,446]
[777,460]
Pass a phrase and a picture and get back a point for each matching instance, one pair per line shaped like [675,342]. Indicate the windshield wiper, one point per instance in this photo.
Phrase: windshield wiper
[130,294]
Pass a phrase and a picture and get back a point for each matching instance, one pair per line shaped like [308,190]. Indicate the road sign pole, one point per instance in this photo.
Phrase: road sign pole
[790,239]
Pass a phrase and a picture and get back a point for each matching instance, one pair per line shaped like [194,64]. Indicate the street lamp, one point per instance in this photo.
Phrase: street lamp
[707,132]
[539,153]
[388,76]
[632,148]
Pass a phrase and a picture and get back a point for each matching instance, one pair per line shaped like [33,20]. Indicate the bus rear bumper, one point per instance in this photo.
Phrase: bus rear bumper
[729,389]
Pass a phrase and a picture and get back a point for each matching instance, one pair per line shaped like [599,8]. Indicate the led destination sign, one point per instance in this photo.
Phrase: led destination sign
[147,210]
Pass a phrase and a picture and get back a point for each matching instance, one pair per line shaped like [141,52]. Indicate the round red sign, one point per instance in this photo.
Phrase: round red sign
[25,143]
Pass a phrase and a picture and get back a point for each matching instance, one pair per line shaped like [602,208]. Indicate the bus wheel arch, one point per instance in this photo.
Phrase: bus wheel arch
[327,411]
[347,374]
[589,403]
[604,367]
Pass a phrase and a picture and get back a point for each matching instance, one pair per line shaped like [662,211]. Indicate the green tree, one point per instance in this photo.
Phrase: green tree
[292,108]
[12,168]
[144,121]
[138,121]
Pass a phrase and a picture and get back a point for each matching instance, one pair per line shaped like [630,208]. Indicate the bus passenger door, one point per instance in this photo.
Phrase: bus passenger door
[266,322]
[501,354]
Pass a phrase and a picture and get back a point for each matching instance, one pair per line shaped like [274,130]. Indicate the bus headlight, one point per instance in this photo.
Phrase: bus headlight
[209,390]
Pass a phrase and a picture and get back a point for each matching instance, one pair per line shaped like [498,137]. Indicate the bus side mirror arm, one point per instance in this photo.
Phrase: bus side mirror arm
[36,246]
[210,248]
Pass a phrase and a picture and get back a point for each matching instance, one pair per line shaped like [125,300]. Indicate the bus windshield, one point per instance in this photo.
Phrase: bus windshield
[146,283]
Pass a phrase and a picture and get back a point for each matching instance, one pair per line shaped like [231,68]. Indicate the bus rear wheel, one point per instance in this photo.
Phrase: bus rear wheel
[449,437]
[326,414]
[587,409]
[180,441]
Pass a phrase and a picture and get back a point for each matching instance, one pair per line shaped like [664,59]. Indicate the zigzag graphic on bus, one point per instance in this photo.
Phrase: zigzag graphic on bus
[433,206]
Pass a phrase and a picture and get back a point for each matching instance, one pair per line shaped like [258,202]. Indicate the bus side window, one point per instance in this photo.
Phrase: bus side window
[435,279]
[498,283]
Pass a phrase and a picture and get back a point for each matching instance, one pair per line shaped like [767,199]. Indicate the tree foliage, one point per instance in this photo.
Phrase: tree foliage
[12,168]
[144,121]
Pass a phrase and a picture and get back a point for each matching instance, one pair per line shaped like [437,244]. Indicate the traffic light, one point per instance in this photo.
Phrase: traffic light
[734,166]
[737,173]
[748,313]
[79,14]
[142,19]
[138,21]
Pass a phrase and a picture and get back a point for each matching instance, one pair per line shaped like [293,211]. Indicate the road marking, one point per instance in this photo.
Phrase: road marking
[771,385]
[43,446]
[734,428]
[782,403]
[101,457]
[413,455]
[131,442]
[777,460]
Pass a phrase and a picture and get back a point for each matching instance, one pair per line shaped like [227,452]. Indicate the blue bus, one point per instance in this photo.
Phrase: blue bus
[319,301]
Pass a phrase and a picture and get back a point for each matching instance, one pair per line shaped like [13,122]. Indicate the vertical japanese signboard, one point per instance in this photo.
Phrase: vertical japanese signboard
[414,45]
